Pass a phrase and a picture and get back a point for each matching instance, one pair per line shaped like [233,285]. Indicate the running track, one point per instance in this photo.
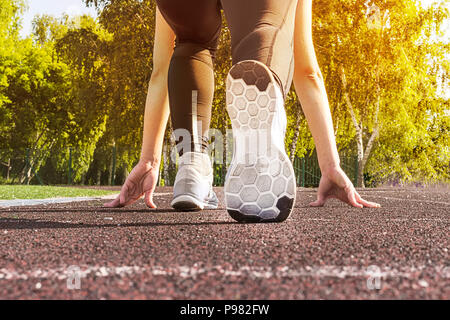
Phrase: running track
[319,253]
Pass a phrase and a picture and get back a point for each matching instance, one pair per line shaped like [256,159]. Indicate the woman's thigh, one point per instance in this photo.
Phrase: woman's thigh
[193,21]
[263,30]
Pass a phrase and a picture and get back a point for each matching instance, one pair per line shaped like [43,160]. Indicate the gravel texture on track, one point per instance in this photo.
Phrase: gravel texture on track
[399,251]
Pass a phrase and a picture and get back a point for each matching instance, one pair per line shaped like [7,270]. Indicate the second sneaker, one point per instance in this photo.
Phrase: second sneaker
[193,184]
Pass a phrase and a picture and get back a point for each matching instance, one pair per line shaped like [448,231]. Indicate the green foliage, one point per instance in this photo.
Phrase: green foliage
[391,69]
[81,83]
[46,192]
[9,54]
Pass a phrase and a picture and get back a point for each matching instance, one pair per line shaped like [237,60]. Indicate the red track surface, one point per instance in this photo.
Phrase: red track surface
[319,253]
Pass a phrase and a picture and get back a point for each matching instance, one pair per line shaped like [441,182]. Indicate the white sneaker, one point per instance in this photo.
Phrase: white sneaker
[260,183]
[193,185]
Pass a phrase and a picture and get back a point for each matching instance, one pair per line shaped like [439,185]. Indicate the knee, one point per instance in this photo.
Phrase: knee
[193,51]
[255,44]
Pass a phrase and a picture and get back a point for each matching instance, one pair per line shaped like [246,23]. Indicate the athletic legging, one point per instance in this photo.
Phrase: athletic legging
[261,30]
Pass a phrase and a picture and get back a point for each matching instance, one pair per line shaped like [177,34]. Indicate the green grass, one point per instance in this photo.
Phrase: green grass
[47,192]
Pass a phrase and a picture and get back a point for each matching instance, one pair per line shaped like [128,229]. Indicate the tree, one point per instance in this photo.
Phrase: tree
[129,59]
[83,48]
[9,56]
[55,93]
[81,83]
[376,62]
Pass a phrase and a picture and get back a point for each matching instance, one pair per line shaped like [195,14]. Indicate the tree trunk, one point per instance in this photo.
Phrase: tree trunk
[358,128]
[296,133]
[361,163]
[125,173]
[225,148]
[166,152]
[360,174]
[359,142]
[171,161]
[99,176]
[8,170]
[110,172]
[370,144]
[34,159]
[25,174]
[363,154]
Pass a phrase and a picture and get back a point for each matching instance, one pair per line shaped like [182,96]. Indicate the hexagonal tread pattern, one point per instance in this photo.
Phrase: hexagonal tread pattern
[261,187]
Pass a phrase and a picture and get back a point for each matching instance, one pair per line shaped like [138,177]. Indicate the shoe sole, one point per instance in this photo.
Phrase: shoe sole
[260,185]
[188,203]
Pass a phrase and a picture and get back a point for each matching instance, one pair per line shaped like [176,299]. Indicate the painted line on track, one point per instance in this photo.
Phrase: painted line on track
[414,200]
[37,202]
[245,271]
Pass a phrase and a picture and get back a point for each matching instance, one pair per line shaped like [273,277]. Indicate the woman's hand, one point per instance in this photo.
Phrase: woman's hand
[336,184]
[142,180]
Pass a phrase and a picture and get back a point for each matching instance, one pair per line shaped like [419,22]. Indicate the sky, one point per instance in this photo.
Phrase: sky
[76,7]
[52,7]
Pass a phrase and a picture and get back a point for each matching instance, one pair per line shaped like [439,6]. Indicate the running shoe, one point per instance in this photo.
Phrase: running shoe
[260,183]
[193,184]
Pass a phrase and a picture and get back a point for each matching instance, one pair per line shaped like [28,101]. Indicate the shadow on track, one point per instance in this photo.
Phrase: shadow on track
[84,210]
[21,224]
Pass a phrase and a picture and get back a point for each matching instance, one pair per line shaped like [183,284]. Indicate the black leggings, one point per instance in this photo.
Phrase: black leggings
[261,30]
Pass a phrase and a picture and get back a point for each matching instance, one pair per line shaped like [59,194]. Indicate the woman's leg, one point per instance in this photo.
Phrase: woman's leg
[263,30]
[197,25]
[260,184]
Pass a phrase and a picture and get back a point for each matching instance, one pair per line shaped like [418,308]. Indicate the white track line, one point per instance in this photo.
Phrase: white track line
[414,200]
[245,271]
[37,202]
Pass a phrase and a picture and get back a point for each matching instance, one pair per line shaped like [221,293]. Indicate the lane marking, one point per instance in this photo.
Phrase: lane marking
[414,200]
[37,202]
[245,271]
[194,119]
